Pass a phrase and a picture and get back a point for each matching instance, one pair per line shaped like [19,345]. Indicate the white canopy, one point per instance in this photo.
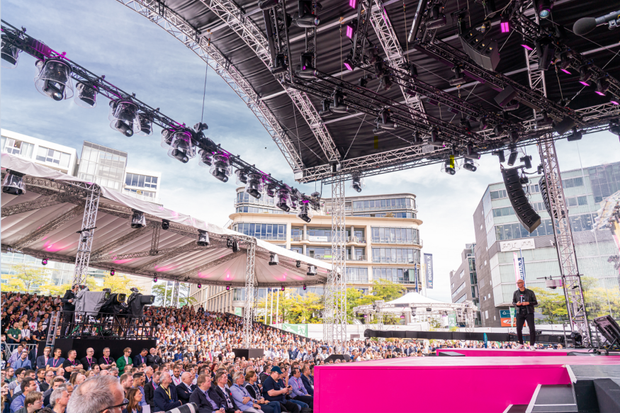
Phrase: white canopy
[45,221]
[415,298]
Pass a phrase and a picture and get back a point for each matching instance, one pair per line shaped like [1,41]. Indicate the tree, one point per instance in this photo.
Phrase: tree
[552,305]
[163,298]
[26,278]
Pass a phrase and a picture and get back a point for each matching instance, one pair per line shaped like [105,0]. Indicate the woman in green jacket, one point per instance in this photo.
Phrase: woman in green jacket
[124,361]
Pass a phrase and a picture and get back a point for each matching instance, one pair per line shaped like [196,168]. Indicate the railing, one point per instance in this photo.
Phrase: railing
[379,240]
[11,347]
[356,257]
[105,326]
[297,237]
[358,240]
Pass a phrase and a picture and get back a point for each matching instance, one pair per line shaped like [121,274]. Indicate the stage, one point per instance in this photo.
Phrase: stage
[481,381]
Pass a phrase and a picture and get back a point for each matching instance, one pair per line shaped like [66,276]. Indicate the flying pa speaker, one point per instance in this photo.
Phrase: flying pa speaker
[482,51]
[505,96]
[524,211]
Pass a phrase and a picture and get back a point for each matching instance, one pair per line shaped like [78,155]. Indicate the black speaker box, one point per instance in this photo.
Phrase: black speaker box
[524,211]
[484,52]
[505,96]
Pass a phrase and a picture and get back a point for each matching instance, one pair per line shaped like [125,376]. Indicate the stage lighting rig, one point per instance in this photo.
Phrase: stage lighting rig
[206,158]
[86,96]
[543,8]
[326,111]
[512,158]
[13,183]
[500,155]
[338,103]
[527,161]
[450,165]
[575,135]
[122,116]
[458,79]
[602,86]
[165,224]
[283,200]
[10,55]
[307,17]
[273,258]
[306,68]
[138,219]
[254,185]
[54,78]
[143,124]
[469,164]
[242,176]
[471,152]
[437,18]
[203,238]
[311,271]
[356,182]
[221,168]
[384,122]
[180,144]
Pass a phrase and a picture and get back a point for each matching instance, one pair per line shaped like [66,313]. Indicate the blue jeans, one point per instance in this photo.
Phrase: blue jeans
[299,403]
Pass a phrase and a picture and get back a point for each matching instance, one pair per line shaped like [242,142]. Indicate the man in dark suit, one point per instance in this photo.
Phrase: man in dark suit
[42,360]
[68,307]
[140,359]
[185,388]
[166,394]
[149,390]
[221,395]
[153,358]
[202,396]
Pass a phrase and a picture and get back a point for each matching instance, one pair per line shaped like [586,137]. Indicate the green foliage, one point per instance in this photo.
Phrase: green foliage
[26,279]
[162,299]
[551,305]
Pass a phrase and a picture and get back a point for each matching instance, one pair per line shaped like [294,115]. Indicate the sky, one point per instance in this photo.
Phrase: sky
[136,55]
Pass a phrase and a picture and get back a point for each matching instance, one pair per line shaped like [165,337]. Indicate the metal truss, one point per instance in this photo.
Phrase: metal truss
[175,294]
[45,202]
[250,293]
[391,46]
[256,40]
[567,257]
[86,234]
[180,28]
[47,228]
[335,313]
[155,240]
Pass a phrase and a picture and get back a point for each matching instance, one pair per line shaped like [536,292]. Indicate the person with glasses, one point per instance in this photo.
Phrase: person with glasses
[100,394]
[165,397]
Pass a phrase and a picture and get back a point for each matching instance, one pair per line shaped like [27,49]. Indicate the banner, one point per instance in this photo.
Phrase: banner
[300,329]
[239,311]
[428,262]
[507,318]
[519,266]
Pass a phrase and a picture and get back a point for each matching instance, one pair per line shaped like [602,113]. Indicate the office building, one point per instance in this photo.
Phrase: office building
[501,239]
[383,240]
[42,152]
[464,281]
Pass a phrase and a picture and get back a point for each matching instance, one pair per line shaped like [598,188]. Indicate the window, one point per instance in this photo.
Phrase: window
[51,156]
[462,298]
[499,194]
[572,182]
[395,235]
[357,275]
[577,201]
[397,275]
[502,212]
[263,231]
[396,255]
[458,290]
[515,231]
[16,147]
[141,181]
[148,194]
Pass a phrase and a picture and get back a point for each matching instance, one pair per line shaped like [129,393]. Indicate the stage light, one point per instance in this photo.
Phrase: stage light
[221,167]
[386,81]
[305,213]
[294,197]
[353,3]
[350,30]
[304,287]
[527,161]
[505,25]
[450,165]
[575,135]
[228,287]
[138,219]
[112,272]
[155,279]
[356,182]
[279,64]
[601,87]
[203,238]
[584,75]
[512,158]
[563,63]
[282,288]
[545,49]
[232,244]
[614,127]
[306,18]
[363,81]
[199,285]
[458,79]
[338,105]
[306,69]
[437,18]
[10,55]
[298,264]
[385,121]
[500,155]
[273,259]
[144,124]
[311,271]
[417,139]
[242,176]
[86,96]
[44,261]
[614,102]
[469,165]
[283,200]
[326,112]
[206,158]
[268,4]
[254,185]
[271,189]
[527,46]
[181,145]
[123,115]
[471,152]
[165,224]
[512,105]
[348,64]
[54,79]
[435,137]
[544,8]
[13,183]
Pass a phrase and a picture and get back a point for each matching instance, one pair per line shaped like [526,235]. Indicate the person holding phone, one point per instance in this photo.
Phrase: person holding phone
[525,300]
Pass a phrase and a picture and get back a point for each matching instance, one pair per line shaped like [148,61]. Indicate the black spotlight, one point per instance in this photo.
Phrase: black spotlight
[304,212]
[338,105]
[144,124]
[10,54]
[283,200]
[469,165]
[356,182]
[254,186]
[500,154]
[450,166]
[298,264]
[512,158]
[13,183]
[112,272]
[86,95]
[206,158]
[221,167]
[306,18]
[203,238]
[181,146]
[527,161]
[273,259]
[54,79]
[575,135]
[122,116]
[44,261]
[311,271]
[458,79]
[165,224]
[306,68]
[232,244]
[138,220]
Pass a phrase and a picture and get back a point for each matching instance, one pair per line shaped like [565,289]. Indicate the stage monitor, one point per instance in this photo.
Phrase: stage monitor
[609,329]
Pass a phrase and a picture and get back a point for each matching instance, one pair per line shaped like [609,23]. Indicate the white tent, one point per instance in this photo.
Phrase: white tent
[45,221]
[414,298]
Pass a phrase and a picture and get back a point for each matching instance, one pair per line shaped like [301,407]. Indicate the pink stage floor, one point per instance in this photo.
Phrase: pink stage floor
[484,352]
[440,384]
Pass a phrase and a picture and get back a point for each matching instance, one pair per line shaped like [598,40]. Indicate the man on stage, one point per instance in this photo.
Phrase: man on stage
[525,300]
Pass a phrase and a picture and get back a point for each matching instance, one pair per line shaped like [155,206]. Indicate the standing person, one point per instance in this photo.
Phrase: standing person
[525,300]
[68,307]
[124,361]
[106,362]
[42,360]
[89,361]
[71,364]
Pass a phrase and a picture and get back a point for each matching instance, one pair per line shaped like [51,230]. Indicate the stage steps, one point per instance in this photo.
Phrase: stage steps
[556,398]
[596,387]
[516,408]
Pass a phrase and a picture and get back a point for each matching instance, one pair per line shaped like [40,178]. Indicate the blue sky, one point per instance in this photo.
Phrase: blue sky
[136,55]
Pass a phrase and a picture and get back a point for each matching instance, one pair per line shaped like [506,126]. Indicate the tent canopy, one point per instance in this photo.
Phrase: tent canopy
[45,222]
[415,298]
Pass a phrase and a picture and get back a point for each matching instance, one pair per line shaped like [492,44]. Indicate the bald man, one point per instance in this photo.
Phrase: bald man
[185,388]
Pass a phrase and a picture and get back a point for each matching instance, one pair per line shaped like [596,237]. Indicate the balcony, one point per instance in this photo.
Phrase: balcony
[356,240]
[356,257]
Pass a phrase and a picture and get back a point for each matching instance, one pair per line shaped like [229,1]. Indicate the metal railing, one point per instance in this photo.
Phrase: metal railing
[10,348]
[105,326]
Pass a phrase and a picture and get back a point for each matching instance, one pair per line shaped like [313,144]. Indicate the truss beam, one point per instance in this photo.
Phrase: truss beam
[42,231]
[37,204]
[250,293]
[86,234]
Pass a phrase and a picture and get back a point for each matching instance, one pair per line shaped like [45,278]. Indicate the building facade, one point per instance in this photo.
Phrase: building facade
[100,164]
[383,240]
[464,281]
[501,239]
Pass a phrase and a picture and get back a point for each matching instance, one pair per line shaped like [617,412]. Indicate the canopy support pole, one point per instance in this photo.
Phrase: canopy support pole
[87,232]
[250,292]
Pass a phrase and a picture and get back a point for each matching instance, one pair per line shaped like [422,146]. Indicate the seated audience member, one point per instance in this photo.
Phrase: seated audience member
[100,394]
[27,386]
[90,360]
[140,359]
[56,382]
[202,398]
[273,390]
[32,403]
[22,361]
[308,380]
[42,360]
[59,400]
[123,361]
[138,383]
[149,390]
[55,363]
[185,388]
[299,391]
[241,397]
[254,391]
[165,397]
[222,395]
[48,377]
[126,383]
[135,398]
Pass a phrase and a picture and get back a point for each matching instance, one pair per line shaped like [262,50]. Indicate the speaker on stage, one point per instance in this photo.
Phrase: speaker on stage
[524,211]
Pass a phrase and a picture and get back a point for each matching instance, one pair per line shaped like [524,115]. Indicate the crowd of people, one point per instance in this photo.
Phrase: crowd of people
[193,361]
